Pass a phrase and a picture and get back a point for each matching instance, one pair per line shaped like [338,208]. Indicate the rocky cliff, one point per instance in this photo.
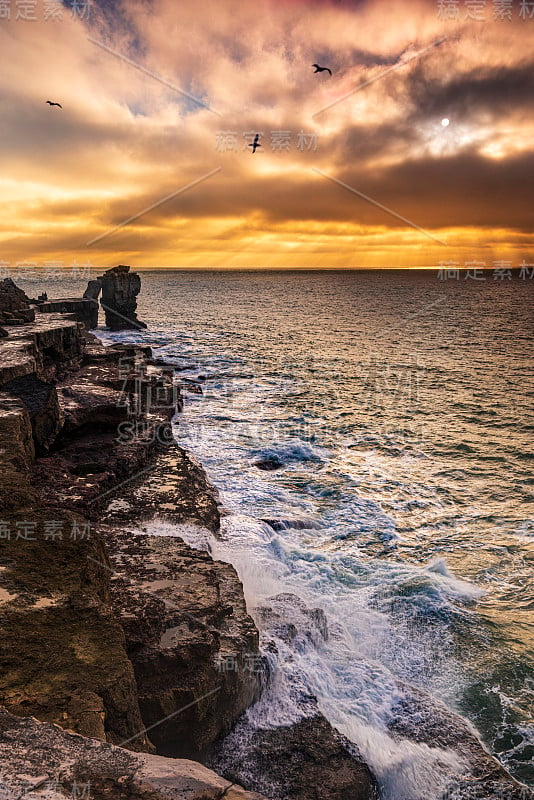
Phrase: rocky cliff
[108,632]
[66,657]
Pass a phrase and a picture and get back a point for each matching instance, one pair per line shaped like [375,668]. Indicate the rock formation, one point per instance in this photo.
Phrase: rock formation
[308,760]
[85,310]
[43,762]
[120,288]
[14,305]
[88,645]
[93,290]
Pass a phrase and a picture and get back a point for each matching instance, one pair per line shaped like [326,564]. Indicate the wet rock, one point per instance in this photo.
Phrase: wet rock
[41,760]
[421,718]
[308,760]
[296,524]
[269,464]
[287,617]
[120,288]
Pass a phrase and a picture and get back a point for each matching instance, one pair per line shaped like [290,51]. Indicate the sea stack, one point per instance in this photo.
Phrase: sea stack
[120,288]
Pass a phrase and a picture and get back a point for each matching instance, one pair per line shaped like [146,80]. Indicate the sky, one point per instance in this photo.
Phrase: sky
[147,162]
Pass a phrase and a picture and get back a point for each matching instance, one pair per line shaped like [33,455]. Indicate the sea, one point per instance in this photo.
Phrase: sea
[370,435]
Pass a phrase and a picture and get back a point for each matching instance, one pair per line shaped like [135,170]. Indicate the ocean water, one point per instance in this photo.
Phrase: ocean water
[398,410]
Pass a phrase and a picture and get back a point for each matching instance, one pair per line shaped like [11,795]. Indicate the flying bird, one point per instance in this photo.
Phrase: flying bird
[255,143]
[321,69]
[50,103]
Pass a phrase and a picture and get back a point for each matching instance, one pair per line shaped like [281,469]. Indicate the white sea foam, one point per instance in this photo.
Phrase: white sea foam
[453,586]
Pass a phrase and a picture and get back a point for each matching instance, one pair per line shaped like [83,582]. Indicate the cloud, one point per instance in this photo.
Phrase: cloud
[125,139]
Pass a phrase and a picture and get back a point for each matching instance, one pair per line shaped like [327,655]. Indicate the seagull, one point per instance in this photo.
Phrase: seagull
[50,103]
[255,143]
[321,69]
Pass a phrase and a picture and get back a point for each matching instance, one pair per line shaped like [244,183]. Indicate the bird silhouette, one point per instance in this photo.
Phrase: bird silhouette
[321,69]
[255,143]
[50,103]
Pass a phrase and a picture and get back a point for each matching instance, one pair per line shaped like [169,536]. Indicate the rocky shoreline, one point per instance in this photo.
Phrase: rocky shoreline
[129,660]
[113,671]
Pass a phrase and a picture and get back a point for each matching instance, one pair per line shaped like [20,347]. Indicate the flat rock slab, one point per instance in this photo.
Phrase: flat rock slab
[42,760]
[174,488]
[50,346]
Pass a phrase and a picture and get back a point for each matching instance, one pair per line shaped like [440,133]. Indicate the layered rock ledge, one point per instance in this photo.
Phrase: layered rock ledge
[44,762]
[73,651]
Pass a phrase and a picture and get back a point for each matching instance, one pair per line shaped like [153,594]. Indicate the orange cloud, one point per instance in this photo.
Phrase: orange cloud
[131,133]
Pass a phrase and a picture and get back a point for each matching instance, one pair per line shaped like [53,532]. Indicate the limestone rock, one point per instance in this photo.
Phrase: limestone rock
[39,759]
[85,310]
[14,304]
[308,760]
[120,288]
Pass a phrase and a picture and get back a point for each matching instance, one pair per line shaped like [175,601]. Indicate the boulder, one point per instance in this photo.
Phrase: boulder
[269,464]
[14,304]
[308,760]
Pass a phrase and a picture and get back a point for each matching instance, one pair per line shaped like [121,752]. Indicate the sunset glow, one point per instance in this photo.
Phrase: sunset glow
[432,118]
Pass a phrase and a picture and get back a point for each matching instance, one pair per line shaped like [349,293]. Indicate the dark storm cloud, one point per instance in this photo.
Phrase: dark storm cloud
[498,90]
[461,190]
